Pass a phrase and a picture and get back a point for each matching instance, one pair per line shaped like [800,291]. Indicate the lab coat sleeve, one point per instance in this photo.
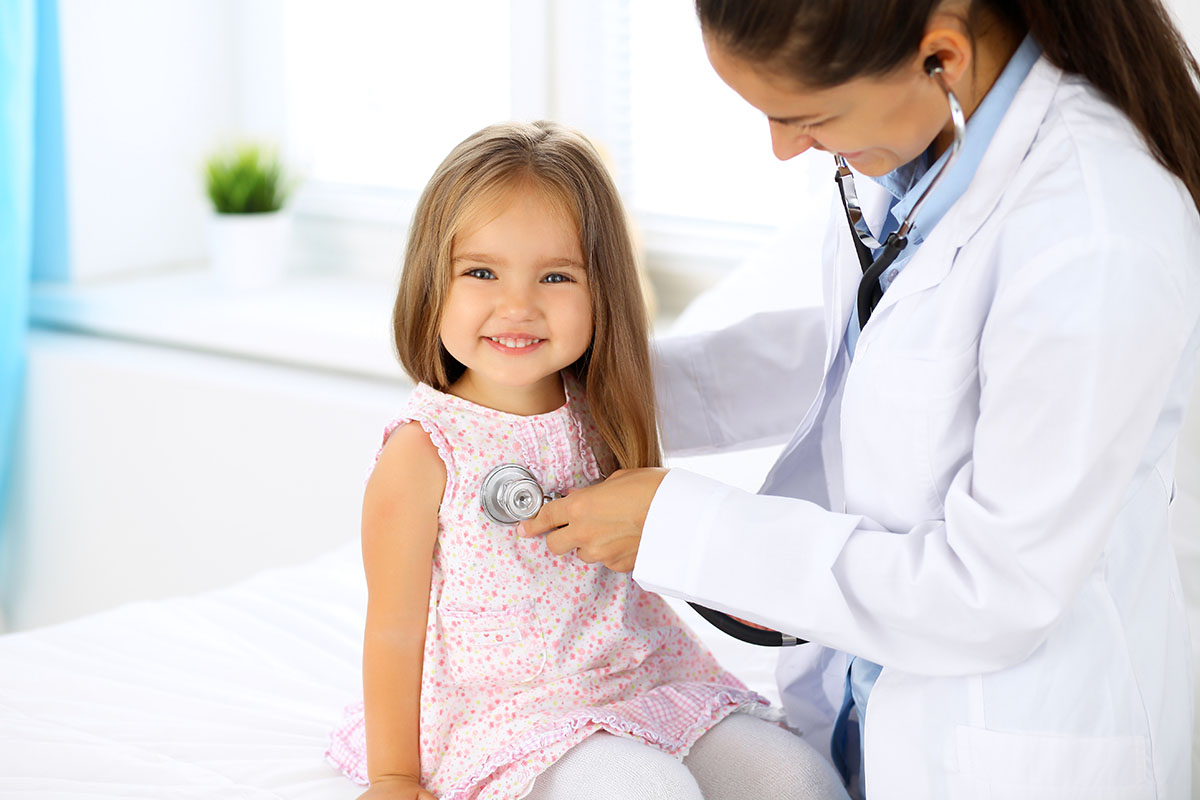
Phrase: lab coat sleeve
[747,385]
[1070,395]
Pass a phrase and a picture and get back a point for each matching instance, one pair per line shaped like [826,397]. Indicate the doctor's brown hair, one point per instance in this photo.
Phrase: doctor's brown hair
[478,177]
[1128,49]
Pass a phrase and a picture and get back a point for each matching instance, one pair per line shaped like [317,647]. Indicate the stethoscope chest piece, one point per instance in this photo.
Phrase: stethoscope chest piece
[510,494]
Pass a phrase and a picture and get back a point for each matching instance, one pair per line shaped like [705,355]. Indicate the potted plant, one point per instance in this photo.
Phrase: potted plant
[248,232]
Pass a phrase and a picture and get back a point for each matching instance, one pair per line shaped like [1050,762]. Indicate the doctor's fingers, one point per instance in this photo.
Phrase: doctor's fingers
[550,516]
[567,524]
[595,545]
[576,522]
[603,521]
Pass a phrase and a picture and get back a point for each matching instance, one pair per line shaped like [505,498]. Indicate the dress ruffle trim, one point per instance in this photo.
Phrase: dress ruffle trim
[412,414]
[721,704]
[590,467]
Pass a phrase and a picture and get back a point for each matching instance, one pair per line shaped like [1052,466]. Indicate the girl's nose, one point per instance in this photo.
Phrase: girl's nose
[517,302]
[787,143]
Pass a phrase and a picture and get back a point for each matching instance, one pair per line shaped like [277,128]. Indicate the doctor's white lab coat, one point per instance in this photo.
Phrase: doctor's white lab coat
[979,501]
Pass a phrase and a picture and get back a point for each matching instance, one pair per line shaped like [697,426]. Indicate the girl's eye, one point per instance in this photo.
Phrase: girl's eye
[482,273]
[557,277]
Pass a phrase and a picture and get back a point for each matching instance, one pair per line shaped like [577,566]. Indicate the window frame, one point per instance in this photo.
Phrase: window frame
[554,50]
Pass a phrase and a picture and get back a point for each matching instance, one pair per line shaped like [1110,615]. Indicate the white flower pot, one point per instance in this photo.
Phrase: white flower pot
[249,251]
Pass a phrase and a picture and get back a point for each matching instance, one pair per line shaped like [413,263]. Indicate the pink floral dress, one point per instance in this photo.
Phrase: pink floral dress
[527,653]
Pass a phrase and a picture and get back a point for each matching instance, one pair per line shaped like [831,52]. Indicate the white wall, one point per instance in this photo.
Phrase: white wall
[148,88]
[145,472]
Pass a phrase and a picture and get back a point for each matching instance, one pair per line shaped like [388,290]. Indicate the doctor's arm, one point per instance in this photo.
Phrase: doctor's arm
[746,385]
[1070,393]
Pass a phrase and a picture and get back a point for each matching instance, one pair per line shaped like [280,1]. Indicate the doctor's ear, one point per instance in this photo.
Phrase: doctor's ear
[948,44]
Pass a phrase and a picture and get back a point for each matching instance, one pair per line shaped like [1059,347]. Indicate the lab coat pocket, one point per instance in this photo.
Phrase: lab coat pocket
[1016,766]
[502,646]
[907,426]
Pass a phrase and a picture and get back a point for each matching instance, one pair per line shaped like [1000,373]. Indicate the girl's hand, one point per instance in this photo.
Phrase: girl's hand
[603,522]
[396,789]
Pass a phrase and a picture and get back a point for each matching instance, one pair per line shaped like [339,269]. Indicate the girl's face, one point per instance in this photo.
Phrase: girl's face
[877,124]
[519,308]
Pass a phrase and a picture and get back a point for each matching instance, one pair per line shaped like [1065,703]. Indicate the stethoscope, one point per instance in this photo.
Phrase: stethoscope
[869,290]
[510,493]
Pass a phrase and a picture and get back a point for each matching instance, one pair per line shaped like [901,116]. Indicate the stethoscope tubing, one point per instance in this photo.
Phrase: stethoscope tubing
[869,290]
[747,633]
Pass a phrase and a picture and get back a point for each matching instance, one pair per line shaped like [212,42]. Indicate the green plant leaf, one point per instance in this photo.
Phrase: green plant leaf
[246,178]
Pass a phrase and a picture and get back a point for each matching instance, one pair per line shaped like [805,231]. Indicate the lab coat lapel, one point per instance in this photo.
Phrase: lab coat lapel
[933,260]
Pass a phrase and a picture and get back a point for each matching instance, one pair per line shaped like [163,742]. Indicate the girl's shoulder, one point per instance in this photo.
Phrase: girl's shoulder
[411,457]
[424,442]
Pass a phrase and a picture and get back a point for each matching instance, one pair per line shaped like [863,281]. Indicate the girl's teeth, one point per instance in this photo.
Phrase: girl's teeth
[514,342]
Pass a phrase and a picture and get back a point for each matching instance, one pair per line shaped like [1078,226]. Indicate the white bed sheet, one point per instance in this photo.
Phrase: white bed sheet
[227,694]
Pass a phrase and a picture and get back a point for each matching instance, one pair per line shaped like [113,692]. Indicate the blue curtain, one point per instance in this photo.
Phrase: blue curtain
[33,229]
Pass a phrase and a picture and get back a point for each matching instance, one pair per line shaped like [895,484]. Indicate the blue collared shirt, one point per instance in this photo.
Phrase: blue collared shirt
[908,182]
[906,185]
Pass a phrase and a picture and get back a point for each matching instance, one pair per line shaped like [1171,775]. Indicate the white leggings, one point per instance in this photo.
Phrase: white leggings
[742,757]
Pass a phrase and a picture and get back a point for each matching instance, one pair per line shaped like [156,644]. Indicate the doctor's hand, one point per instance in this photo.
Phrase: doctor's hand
[603,522]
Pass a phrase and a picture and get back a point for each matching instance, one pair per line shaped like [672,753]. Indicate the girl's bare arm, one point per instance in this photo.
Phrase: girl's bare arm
[399,528]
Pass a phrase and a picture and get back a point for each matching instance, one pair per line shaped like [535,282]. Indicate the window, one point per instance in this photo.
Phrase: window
[698,150]
[377,92]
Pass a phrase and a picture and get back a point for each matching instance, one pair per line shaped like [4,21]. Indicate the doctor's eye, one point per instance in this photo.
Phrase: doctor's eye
[482,273]
[794,124]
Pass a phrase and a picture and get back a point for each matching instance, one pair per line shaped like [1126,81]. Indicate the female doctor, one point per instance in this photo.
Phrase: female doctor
[970,521]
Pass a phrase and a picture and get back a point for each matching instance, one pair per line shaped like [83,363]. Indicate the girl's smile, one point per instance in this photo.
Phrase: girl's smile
[514,344]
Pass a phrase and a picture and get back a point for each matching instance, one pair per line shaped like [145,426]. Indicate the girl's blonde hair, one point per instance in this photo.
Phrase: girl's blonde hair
[563,165]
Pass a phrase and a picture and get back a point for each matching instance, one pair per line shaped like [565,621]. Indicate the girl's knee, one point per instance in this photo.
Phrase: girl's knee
[603,766]
[745,756]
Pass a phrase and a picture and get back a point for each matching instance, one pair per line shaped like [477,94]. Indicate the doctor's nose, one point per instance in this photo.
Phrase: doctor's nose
[787,143]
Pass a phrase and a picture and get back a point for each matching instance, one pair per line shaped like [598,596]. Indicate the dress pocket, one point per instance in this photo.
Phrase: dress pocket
[500,646]
[1015,766]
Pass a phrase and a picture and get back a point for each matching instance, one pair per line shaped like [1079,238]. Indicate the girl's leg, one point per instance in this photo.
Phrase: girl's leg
[744,756]
[603,766]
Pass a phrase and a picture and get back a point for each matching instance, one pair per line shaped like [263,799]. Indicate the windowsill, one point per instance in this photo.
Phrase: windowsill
[328,323]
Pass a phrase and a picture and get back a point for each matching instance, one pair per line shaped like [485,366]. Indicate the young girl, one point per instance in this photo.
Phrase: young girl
[488,661]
